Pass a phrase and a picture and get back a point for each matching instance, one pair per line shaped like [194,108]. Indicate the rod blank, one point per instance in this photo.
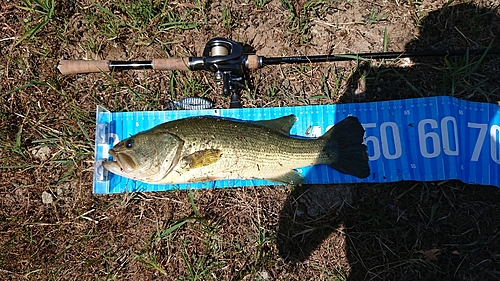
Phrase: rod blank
[385,55]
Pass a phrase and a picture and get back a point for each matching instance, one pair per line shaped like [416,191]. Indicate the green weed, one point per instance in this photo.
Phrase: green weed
[386,40]
[139,15]
[461,76]
[163,234]
[272,91]
[335,274]
[411,85]
[262,238]
[418,15]
[199,266]
[227,20]
[300,16]
[150,260]
[374,17]
[148,256]
[43,13]
[259,4]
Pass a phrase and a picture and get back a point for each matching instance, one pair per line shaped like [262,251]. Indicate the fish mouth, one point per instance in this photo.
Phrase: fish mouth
[124,161]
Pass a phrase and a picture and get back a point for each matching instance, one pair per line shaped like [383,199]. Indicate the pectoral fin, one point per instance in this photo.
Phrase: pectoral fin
[291,177]
[202,158]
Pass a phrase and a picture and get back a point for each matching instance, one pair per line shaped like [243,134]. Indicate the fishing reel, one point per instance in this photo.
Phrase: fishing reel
[225,59]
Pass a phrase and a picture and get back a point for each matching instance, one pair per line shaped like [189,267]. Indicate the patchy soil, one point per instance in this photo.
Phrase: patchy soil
[53,227]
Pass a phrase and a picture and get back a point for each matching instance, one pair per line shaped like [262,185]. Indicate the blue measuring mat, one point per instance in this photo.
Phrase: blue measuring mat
[424,139]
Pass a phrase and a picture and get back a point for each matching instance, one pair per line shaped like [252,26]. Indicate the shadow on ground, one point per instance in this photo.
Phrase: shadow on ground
[419,230]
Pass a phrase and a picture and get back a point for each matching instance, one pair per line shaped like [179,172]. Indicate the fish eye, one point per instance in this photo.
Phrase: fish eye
[129,143]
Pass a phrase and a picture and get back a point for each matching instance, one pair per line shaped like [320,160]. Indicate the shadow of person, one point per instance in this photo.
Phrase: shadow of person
[410,230]
[310,215]
[471,77]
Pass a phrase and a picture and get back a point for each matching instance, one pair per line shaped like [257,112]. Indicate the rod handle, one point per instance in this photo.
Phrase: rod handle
[82,66]
[93,66]
[171,64]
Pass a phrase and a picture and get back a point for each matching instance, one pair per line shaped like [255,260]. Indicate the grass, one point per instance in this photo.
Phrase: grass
[141,15]
[259,4]
[148,20]
[200,265]
[300,17]
[374,17]
[388,232]
[150,261]
[461,76]
[335,274]
[43,13]
[226,16]
[262,238]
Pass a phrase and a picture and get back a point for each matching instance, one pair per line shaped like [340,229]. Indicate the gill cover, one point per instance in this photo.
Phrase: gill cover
[148,156]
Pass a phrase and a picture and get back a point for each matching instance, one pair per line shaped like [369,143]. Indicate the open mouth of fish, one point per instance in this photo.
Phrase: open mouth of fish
[122,161]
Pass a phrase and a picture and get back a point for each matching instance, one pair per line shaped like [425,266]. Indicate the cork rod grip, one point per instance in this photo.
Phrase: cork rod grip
[252,61]
[171,64]
[82,66]
[92,66]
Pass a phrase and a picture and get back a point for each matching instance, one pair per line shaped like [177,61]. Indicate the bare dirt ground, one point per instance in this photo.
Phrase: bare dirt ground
[53,228]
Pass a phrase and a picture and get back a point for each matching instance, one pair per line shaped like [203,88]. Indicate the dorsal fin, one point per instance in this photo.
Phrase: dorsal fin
[282,124]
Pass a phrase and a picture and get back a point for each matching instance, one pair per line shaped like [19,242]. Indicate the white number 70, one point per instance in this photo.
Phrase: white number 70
[483,129]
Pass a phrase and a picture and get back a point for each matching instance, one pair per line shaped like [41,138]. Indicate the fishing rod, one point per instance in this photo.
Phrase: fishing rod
[227,60]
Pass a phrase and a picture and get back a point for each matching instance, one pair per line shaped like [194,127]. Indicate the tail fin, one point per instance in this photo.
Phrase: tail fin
[344,145]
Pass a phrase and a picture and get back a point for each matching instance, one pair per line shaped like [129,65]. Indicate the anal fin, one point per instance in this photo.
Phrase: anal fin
[291,177]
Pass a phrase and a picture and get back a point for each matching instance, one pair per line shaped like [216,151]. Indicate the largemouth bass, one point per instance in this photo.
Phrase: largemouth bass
[211,148]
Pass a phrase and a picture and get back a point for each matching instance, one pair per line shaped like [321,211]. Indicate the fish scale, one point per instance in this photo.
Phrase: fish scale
[254,139]
[255,151]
